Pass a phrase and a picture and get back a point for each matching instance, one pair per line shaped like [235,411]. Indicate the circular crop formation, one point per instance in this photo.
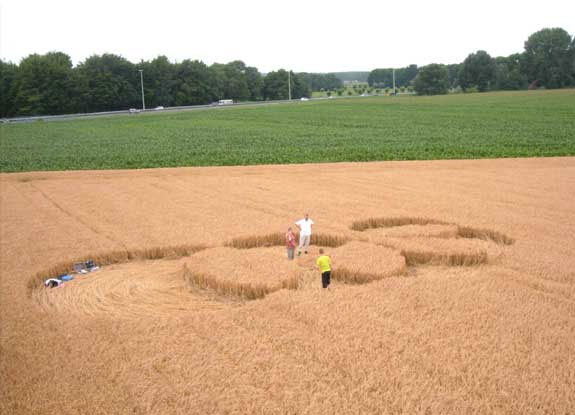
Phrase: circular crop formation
[173,278]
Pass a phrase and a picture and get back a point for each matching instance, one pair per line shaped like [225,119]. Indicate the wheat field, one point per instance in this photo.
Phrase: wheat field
[453,290]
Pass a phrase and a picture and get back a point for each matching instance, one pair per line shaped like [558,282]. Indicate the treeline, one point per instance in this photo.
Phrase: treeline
[50,84]
[358,76]
[548,61]
[322,82]
[383,78]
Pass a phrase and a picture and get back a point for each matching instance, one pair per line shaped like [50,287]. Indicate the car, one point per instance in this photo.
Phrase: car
[304,99]
[133,111]
[158,108]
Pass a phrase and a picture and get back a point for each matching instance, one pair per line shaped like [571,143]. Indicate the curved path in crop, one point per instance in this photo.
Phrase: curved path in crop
[165,287]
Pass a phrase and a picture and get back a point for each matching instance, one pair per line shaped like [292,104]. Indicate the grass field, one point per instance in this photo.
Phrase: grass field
[493,125]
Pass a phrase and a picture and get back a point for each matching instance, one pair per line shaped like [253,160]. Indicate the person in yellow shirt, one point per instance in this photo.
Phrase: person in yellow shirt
[324,263]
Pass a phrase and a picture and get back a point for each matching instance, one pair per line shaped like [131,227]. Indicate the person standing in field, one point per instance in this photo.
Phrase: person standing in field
[290,243]
[304,226]
[324,263]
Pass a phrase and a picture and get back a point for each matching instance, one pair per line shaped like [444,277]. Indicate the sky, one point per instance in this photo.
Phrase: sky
[304,36]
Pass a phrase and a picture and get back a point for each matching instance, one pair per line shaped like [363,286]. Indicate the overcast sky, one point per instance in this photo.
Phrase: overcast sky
[305,36]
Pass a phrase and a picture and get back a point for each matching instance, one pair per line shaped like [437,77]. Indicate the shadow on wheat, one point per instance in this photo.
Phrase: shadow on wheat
[248,291]
[462,231]
[278,239]
[453,259]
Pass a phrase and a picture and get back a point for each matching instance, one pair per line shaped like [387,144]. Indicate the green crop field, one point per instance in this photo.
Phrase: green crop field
[491,125]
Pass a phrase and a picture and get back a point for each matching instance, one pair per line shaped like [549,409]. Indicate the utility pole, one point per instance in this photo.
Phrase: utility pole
[289,85]
[142,83]
[393,81]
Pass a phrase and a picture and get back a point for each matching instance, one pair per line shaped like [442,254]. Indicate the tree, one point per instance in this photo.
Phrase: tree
[196,84]
[380,77]
[508,75]
[384,77]
[432,80]
[255,83]
[478,70]
[572,53]
[453,71]
[549,58]
[300,87]
[8,88]
[159,82]
[320,81]
[276,85]
[232,80]
[45,85]
[106,83]
[403,76]
[331,82]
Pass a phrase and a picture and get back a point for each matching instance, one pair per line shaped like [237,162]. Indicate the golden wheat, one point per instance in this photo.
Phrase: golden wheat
[278,239]
[136,337]
[113,257]
[410,231]
[444,230]
[441,251]
[371,223]
[248,273]
[437,258]
[248,291]
[360,262]
[485,234]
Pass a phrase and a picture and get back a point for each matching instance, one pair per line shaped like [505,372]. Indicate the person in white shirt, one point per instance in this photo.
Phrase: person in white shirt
[304,226]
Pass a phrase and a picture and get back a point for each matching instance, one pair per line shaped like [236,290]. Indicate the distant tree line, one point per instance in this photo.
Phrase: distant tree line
[50,84]
[548,61]
[359,76]
[321,81]
[381,78]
